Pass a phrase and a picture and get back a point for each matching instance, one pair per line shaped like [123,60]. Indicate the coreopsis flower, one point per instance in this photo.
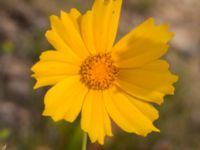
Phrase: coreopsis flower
[102,80]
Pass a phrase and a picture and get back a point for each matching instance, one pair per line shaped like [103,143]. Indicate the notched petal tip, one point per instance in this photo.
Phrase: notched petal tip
[110,134]
[70,120]
[43,54]
[47,33]
[101,142]
[161,101]
[32,69]
[54,20]
[62,12]
[154,129]
[46,114]
[36,86]
[176,78]
[165,27]
[33,75]
[75,11]
[53,17]
[150,21]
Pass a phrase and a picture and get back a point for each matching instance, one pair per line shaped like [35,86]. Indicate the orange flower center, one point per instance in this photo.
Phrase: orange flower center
[98,72]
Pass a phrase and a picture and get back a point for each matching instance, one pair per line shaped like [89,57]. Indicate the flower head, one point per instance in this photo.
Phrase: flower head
[100,79]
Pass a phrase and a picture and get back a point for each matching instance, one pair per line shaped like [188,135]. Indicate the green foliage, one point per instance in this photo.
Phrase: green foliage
[4,133]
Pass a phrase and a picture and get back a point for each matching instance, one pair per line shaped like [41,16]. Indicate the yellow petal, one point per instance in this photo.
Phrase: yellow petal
[64,100]
[150,82]
[58,56]
[146,30]
[65,28]
[75,16]
[140,53]
[60,45]
[95,120]
[140,93]
[57,42]
[87,32]
[46,81]
[51,68]
[106,15]
[125,114]
[144,44]
[147,109]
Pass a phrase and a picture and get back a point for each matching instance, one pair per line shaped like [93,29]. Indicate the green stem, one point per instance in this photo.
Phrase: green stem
[84,144]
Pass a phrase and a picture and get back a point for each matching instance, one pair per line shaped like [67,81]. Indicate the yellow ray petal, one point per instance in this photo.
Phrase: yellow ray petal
[140,93]
[53,67]
[140,53]
[65,28]
[95,119]
[125,114]
[64,100]
[60,45]
[144,44]
[147,109]
[50,68]
[150,82]
[87,32]
[46,81]
[106,15]
[75,16]
[57,42]
[146,30]
[51,55]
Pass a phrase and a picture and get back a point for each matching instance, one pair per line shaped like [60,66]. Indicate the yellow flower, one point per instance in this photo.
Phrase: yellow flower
[102,80]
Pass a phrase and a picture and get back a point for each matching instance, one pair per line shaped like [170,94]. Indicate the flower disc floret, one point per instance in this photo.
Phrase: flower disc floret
[98,72]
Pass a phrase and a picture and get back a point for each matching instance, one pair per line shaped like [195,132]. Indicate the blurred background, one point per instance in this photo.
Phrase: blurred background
[22,27]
